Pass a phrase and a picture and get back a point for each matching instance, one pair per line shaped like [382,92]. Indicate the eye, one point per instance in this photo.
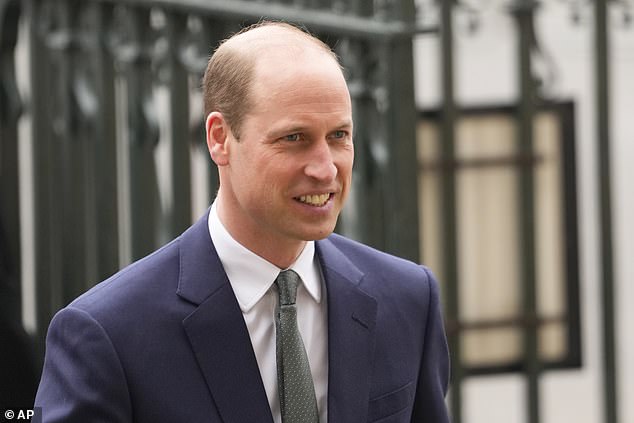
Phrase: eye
[339,135]
[292,137]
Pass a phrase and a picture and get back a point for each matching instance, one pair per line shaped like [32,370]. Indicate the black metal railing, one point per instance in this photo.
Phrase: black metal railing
[116,120]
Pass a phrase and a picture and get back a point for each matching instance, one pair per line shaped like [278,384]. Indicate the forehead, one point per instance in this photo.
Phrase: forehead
[285,62]
[300,89]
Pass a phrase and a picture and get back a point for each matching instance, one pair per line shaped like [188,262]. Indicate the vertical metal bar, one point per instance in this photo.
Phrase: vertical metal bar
[21,380]
[47,231]
[93,181]
[105,151]
[602,89]
[180,216]
[571,229]
[67,120]
[523,11]
[449,208]
[68,167]
[10,110]
[143,135]
[85,114]
[359,220]
[214,31]
[401,188]
[374,173]
[362,8]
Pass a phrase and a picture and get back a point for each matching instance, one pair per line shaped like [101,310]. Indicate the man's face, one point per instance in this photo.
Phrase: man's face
[290,172]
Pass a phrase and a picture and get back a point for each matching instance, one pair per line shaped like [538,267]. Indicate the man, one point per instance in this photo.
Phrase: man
[206,328]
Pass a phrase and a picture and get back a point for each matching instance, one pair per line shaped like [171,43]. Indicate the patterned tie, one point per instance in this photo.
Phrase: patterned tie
[295,382]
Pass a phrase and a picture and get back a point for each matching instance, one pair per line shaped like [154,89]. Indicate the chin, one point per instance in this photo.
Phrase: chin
[316,235]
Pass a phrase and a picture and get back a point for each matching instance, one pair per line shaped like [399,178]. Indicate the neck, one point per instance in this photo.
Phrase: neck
[280,252]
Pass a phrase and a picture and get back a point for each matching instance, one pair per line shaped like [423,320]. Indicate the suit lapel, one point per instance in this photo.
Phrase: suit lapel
[351,321]
[217,332]
[220,340]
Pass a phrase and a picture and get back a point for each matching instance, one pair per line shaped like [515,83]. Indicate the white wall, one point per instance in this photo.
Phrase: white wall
[486,73]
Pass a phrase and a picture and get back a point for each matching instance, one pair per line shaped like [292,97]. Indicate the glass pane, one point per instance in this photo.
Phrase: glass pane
[491,347]
[487,219]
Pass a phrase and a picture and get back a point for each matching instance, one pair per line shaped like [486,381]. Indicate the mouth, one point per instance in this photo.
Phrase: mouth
[315,200]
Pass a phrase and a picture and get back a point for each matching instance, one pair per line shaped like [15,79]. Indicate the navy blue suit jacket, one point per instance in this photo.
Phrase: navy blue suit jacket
[164,340]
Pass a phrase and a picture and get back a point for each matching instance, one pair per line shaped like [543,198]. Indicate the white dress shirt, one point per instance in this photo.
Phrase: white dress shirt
[252,279]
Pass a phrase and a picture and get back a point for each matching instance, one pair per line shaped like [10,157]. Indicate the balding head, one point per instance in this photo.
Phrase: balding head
[230,72]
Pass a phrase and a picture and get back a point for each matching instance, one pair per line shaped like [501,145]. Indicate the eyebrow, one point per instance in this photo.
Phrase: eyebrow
[345,124]
[280,132]
[276,133]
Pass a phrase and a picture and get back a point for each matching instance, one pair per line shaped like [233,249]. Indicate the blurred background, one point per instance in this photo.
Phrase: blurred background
[493,141]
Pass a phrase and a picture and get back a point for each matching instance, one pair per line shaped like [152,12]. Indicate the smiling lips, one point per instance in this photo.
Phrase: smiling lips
[317,200]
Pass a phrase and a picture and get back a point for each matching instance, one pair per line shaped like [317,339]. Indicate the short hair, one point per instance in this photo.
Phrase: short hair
[229,75]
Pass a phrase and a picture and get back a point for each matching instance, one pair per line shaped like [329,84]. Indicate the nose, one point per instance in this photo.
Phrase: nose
[321,165]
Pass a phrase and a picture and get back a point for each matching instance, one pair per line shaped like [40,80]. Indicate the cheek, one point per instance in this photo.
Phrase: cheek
[344,161]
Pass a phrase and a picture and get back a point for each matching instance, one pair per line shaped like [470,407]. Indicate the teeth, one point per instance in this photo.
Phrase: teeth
[315,200]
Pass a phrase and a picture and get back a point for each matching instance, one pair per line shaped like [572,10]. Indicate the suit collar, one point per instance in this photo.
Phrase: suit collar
[201,273]
[251,276]
[351,336]
[217,333]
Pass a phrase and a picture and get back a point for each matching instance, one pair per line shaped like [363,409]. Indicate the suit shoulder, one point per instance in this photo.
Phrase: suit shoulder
[371,260]
[388,279]
[134,283]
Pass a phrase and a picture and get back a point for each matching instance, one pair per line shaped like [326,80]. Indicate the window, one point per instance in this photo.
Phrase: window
[486,166]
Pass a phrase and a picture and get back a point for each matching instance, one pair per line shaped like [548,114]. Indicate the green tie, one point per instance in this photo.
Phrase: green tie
[295,382]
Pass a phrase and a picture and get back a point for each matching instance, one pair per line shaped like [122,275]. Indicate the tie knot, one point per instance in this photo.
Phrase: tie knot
[287,282]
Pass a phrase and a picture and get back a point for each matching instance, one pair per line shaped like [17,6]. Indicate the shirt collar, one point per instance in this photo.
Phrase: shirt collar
[250,275]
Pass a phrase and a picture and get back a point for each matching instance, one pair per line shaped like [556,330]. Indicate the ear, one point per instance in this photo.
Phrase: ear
[218,133]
